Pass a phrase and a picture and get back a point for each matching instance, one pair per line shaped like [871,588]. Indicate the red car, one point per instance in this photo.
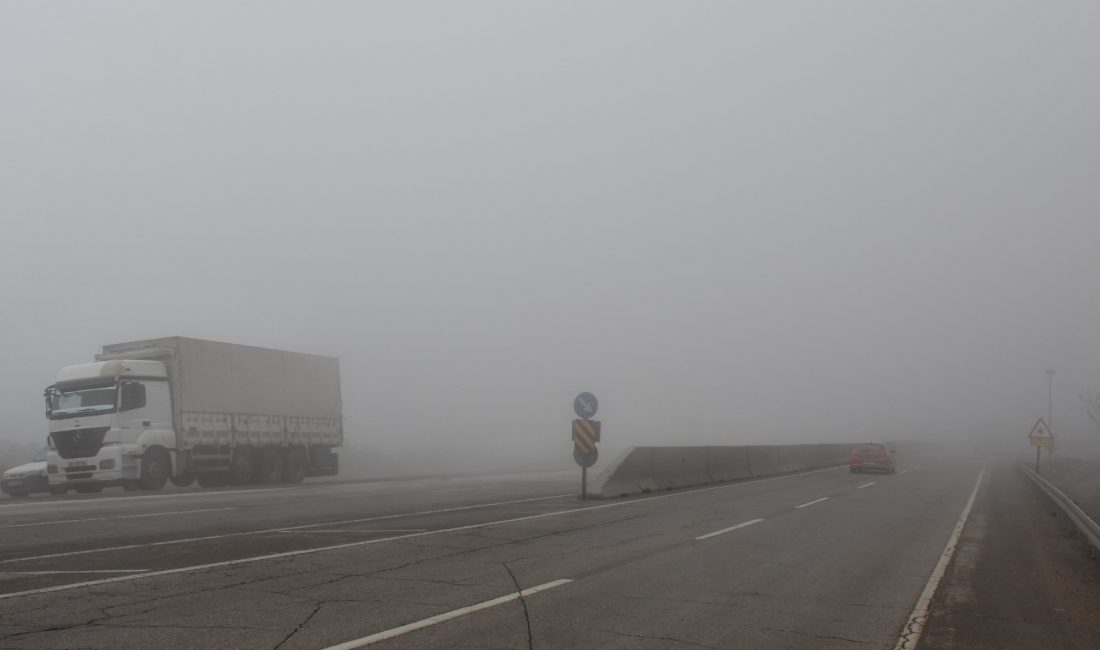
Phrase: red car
[872,456]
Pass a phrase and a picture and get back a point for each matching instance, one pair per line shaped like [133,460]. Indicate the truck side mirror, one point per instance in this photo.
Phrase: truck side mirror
[132,395]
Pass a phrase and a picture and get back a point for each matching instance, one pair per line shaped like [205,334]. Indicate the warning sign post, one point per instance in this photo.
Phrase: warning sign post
[1040,436]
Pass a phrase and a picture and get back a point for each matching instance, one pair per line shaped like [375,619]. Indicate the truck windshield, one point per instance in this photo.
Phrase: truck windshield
[92,399]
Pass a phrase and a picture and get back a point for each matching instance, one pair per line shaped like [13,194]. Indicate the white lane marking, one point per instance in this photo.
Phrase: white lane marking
[915,467]
[106,501]
[80,521]
[440,618]
[810,503]
[358,530]
[50,573]
[205,538]
[910,635]
[187,540]
[860,487]
[902,472]
[366,542]
[744,524]
[464,489]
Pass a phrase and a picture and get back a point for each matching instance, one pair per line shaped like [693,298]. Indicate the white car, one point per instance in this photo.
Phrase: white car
[27,478]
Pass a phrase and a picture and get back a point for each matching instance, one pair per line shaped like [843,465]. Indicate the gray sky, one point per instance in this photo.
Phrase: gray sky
[733,222]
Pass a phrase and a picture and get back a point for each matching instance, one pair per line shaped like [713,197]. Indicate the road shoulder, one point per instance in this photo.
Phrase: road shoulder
[1019,579]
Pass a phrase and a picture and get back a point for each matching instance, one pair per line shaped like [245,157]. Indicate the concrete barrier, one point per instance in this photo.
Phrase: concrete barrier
[814,456]
[762,461]
[789,459]
[645,469]
[630,473]
[675,467]
[728,463]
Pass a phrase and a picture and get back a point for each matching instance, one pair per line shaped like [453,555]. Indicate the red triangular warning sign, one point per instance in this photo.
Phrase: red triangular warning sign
[1040,430]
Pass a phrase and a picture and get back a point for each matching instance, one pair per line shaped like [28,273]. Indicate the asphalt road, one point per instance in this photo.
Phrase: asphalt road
[824,559]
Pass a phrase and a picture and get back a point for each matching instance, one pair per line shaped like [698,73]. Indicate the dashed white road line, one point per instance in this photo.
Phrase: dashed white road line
[810,503]
[379,540]
[80,521]
[744,524]
[914,627]
[860,487]
[440,618]
[904,471]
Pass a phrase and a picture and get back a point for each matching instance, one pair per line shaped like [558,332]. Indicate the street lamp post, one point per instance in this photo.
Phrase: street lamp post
[1050,399]
[1050,415]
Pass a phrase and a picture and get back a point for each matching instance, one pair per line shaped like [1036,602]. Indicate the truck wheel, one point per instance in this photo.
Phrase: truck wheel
[243,466]
[212,479]
[295,465]
[155,468]
[57,491]
[271,465]
[89,489]
[183,480]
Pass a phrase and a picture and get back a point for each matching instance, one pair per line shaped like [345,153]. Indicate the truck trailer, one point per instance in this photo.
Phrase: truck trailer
[187,410]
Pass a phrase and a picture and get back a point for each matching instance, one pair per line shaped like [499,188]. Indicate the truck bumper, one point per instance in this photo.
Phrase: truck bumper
[108,467]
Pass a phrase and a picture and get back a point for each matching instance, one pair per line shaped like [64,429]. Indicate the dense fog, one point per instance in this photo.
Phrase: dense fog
[732,222]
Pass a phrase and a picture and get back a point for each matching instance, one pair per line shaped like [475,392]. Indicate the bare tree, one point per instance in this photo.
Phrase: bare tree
[1092,405]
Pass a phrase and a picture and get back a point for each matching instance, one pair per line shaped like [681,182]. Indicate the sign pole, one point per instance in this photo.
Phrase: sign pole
[586,433]
[1037,451]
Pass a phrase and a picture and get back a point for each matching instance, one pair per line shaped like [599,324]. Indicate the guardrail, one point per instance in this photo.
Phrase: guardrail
[1084,523]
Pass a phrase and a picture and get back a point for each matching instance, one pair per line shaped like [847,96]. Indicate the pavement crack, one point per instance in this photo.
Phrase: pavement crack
[824,637]
[307,619]
[523,601]
[671,599]
[693,644]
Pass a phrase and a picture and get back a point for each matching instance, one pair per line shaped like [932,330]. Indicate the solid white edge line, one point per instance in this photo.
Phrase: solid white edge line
[911,633]
[206,538]
[440,618]
[50,573]
[744,524]
[357,530]
[860,487]
[810,503]
[80,521]
[187,540]
[367,542]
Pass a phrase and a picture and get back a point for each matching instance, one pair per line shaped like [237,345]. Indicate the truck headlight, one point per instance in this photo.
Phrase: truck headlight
[107,464]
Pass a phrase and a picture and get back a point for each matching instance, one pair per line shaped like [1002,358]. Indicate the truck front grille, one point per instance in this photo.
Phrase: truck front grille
[79,443]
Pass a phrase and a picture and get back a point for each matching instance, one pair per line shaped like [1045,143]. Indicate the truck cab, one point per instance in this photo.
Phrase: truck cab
[110,424]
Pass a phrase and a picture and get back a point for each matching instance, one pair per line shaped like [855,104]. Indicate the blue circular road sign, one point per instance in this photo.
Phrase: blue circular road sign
[585,405]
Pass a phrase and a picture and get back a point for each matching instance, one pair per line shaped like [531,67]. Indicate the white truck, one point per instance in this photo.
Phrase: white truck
[187,410]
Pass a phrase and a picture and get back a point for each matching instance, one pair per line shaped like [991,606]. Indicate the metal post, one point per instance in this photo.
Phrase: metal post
[1050,405]
[1050,400]
[1037,450]
[584,482]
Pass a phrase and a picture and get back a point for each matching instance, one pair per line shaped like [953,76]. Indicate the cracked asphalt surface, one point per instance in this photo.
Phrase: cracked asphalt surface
[841,573]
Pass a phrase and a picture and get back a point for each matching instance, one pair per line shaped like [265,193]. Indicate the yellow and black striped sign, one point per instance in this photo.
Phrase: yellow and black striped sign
[586,433]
